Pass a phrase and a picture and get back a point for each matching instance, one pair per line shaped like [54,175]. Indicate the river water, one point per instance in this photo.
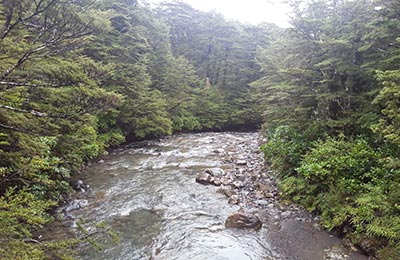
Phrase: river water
[147,193]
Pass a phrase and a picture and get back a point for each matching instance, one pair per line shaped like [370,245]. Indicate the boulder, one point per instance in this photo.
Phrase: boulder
[234,200]
[205,178]
[370,246]
[211,176]
[79,185]
[226,191]
[238,184]
[243,220]
[215,172]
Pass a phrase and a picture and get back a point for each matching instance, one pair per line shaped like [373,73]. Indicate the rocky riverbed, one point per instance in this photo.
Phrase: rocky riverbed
[189,197]
[246,180]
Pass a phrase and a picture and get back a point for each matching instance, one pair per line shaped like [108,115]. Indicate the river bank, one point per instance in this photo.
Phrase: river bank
[248,182]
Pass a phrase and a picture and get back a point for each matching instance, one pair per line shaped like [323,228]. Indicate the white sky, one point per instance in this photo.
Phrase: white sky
[248,11]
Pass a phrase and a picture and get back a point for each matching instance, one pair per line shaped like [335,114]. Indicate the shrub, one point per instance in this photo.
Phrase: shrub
[284,148]
[351,185]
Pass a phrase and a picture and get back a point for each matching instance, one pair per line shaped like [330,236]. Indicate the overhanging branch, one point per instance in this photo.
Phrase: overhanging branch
[32,112]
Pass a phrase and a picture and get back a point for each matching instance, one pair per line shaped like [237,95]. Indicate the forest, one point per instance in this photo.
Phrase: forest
[79,77]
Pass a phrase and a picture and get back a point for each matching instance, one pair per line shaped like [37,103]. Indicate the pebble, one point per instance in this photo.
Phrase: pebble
[241,162]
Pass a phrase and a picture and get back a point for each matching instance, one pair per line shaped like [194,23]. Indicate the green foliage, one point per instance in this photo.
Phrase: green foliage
[336,70]
[350,184]
[21,214]
[284,148]
[389,101]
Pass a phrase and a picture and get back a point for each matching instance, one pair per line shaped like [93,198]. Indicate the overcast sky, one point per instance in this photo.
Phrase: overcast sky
[249,11]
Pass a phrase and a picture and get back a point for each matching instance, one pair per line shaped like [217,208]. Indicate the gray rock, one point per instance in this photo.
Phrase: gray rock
[215,172]
[76,204]
[269,195]
[243,220]
[205,178]
[260,195]
[234,200]
[369,246]
[226,191]
[219,150]
[79,185]
[263,203]
[336,253]
[241,162]
[238,184]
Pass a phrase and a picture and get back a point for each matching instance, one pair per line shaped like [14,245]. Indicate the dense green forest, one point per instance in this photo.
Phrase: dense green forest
[78,77]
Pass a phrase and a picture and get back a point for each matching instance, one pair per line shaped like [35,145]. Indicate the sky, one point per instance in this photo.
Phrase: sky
[248,11]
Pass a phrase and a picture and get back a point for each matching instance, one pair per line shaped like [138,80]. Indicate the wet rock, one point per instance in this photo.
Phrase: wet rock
[219,150]
[101,161]
[76,204]
[336,253]
[215,172]
[225,181]
[317,226]
[285,214]
[217,182]
[238,184]
[241,162]
[205,178]
[269,195]
[239,171]
[243,220]
[226,191]
[259,195]
[369,246]
[79,185]
[234,200]
[349,245]
[264,187]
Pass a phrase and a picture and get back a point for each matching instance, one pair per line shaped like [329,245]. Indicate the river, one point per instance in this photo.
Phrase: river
[147,193]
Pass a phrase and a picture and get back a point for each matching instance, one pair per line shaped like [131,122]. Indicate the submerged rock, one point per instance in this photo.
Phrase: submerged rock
[79,185]
[76,204]
[243,220]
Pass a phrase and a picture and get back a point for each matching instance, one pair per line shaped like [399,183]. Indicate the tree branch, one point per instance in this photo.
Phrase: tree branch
[8,26]
[32,112]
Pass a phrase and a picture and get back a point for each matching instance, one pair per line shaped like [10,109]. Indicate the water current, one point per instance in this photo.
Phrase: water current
[147,193]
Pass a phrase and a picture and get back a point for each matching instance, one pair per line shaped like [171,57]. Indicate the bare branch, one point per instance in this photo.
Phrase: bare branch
[12,128]
[10,84]
[32,112]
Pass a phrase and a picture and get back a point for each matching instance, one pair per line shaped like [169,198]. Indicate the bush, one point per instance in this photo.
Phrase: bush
[353,187]
[284,148]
